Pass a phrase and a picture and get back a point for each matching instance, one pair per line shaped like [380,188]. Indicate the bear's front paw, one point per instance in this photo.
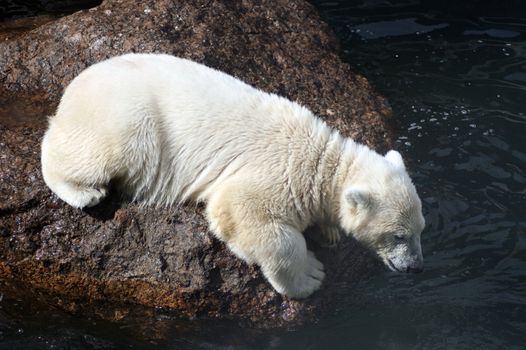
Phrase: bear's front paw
[326,236]
[304,282]
[331,236]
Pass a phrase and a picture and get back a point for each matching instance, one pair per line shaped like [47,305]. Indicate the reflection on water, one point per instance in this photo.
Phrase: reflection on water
[395,27]
[457,84]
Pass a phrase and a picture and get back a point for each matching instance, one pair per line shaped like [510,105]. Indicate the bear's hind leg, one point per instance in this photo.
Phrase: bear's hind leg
[76,173]
[79,196]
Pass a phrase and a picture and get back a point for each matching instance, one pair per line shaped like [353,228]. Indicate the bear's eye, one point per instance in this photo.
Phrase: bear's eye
[399,237]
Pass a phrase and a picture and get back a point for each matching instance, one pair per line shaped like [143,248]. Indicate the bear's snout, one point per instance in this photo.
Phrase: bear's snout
[417,269]
[416,265]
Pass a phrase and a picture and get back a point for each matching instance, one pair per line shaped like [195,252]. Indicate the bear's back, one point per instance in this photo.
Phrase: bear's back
[193,123]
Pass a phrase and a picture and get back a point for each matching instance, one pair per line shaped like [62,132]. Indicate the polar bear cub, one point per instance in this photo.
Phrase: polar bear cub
[168,130]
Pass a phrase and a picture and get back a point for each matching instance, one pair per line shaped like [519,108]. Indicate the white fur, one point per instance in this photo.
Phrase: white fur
[168,130]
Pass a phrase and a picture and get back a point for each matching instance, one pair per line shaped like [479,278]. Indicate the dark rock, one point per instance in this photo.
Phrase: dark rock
[165,257]
[12,28]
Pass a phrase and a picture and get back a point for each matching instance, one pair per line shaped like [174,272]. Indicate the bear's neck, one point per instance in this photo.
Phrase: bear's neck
[333,157]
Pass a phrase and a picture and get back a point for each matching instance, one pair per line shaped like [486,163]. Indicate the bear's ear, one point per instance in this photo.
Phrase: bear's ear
[357,197]
[395,158]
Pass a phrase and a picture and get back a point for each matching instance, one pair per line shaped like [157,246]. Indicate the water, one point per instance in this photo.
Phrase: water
[457,84]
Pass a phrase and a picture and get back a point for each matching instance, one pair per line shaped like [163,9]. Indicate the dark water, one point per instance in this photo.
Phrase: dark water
[458,85]
[456,79]
[24,8]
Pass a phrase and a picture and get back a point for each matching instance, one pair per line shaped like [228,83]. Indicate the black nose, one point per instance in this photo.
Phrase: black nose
[414,269]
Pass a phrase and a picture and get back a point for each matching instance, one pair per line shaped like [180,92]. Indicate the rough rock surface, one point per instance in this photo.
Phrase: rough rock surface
[166,258]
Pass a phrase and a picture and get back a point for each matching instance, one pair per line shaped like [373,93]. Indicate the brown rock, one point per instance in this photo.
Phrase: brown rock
[166,258]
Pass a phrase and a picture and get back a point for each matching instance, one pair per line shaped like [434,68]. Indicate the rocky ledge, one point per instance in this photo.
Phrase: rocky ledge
[122,254]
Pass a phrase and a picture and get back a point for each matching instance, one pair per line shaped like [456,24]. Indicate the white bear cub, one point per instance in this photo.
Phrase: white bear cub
[168,130]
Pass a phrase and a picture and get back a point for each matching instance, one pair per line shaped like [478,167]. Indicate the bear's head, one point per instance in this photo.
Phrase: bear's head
[379,207]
